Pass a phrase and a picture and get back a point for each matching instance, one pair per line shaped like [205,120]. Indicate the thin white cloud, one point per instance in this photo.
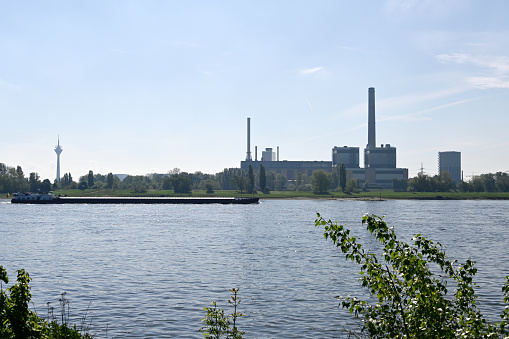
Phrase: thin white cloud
[119,51]
[401,101]
[309,71]
[188,44]
[309,104]
[494,69]
[419,116]
[431,8]
[7,85]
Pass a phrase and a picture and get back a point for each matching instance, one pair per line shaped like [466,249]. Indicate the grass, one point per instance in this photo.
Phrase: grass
[383,194]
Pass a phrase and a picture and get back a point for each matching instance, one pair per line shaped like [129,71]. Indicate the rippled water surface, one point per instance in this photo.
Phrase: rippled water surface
[148,270]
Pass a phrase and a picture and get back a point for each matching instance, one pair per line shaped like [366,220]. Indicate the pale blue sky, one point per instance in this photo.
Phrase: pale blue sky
[146,86]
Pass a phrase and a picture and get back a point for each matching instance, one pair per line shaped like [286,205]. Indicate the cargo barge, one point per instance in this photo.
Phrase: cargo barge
[50,198]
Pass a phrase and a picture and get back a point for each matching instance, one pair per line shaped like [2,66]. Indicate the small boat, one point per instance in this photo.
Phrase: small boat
[50,198]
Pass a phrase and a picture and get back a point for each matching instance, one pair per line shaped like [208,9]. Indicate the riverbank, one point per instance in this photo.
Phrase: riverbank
[373,195]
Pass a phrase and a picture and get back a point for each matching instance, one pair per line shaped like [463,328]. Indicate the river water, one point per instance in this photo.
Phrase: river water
[148,270]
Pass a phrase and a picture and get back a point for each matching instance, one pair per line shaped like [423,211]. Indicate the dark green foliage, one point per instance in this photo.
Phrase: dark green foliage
[271,180]
[436,183]
[352,185]
[66,180]
[263,179]
[411,300]
[46,185]
[489,182]
[240,182]
[209,187]
[181,182]
[18,321]
[109,181]
[139,187]
[34,182]
[250,180]
[321,181]
[90,179]
[342,177]
[217,324]
[12,179]
[400,184]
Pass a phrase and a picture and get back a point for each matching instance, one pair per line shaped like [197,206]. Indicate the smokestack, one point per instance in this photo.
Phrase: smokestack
[371,118]
[248,154]
[256,153]
[278,153]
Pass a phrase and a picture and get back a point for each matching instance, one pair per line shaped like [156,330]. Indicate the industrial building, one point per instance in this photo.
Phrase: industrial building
[450,162]
[379,162]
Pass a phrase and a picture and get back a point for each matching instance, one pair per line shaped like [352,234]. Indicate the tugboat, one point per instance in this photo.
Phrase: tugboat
[31,198]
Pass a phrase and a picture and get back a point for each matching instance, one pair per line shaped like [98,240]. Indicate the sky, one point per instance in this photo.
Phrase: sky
[140,87]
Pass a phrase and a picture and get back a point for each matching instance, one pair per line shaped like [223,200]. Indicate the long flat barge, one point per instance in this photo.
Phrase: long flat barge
[49,198]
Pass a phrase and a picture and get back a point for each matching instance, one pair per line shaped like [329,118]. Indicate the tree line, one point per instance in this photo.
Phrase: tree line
[13,179]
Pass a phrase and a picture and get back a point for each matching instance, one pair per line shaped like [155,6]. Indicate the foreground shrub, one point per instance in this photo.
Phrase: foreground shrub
[412,301]
[217,324]
[18,321]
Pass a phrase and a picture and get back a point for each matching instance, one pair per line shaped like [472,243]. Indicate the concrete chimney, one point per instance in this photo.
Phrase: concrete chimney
[256,153]
[248,154]
[278,153]
[371,118]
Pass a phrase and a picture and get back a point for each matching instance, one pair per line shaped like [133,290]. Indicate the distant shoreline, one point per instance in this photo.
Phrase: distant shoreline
[293,195]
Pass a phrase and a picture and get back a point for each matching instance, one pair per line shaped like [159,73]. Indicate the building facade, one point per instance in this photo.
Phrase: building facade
[451,162]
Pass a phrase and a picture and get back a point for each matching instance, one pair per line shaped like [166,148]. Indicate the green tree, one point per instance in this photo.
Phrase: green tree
[342,177]
[335,177]
[281,181]
[263,179]
[166,184]
[445,182]
[488,180]
[109,181]
[90,180]
[464,186]
[139,187]
[410,296]
[400,184]
[502,182]
[34,182]
[251,180]
[181,182]
[299,181]
[351,185]
[209,186]
[240,182]
[271,180]
[320,180]
[46,185]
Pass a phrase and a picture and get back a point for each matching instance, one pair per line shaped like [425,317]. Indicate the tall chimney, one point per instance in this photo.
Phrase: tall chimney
[256,153]
[371,118]
[278,153]
[248,154]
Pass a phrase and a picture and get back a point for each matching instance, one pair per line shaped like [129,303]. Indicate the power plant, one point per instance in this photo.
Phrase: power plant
[379,162]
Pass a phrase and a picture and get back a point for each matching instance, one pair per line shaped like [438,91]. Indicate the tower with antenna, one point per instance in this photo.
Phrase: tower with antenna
[58,150]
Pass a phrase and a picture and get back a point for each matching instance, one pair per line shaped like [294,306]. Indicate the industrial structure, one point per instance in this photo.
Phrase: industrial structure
[450,162]
[379,162]
[58,151]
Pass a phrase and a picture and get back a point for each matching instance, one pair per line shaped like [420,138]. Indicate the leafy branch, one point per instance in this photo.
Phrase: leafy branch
[412,300]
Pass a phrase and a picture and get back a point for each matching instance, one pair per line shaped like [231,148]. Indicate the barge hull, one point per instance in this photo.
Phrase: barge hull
[126,200]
